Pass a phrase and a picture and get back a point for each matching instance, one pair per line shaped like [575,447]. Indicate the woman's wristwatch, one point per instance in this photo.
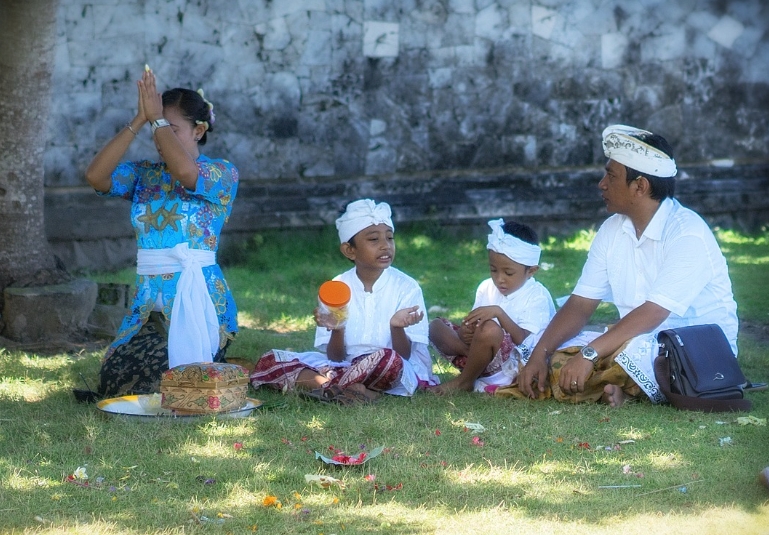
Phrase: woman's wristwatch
[158,123]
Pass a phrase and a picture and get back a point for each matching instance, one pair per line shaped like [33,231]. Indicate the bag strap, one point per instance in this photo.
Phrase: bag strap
[689,403]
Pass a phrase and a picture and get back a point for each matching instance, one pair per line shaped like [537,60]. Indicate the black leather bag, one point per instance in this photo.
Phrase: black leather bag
[696,370]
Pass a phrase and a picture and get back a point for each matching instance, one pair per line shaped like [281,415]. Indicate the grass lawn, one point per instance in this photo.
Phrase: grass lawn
[539,467]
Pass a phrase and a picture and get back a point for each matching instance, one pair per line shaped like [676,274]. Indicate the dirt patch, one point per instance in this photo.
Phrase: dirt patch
[757,332]
[49,348]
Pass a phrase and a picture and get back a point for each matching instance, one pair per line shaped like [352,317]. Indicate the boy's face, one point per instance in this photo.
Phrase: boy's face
[374,247]
[508,275]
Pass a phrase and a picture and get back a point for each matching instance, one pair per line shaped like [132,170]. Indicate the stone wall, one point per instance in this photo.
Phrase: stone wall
[308,88]
[314,92]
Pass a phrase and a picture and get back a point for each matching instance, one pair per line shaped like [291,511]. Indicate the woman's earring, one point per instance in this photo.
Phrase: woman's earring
[197,139]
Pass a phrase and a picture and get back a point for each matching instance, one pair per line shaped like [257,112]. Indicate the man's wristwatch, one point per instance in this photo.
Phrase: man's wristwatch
[158,123]
[589,353]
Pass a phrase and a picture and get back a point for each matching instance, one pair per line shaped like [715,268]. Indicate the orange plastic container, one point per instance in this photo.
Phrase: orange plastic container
[333,297]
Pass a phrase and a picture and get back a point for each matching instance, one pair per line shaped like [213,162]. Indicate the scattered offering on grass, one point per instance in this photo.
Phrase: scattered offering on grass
[725,441]
[272,501]
[341,459]
[323,481]
[475,427]
[750,420]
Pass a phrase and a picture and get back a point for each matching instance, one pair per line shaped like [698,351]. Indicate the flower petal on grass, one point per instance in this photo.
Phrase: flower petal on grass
[271,501]
[323,481]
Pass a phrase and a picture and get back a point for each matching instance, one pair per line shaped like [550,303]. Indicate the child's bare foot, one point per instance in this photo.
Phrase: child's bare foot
[449,387]
[614,396]
[362,393]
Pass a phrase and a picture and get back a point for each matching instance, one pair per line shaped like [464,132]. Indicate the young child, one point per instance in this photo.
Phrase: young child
[510,309]
[383,346]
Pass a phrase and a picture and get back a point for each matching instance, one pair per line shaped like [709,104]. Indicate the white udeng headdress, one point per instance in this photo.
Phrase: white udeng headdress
[620,145]
[362,214]
[514,248]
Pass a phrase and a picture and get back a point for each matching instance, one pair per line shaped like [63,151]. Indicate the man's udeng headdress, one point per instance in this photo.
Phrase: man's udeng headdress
[621,145]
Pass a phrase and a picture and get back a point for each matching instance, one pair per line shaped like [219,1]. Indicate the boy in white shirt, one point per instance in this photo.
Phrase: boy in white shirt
[383,347]
[510,309]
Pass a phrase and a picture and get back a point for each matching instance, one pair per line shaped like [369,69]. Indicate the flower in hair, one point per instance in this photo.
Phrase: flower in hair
[211,116]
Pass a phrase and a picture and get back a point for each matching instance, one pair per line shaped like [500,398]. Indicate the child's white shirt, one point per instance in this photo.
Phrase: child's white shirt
[531,306]
[368,323]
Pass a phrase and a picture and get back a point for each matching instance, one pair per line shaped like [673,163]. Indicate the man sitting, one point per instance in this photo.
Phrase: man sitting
[656,260]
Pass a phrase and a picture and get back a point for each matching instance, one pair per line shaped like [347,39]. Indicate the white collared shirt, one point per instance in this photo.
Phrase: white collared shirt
[369,313]
[676,264]
[530,307]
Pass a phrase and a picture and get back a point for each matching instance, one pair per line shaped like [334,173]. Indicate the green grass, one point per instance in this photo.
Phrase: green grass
[536,469]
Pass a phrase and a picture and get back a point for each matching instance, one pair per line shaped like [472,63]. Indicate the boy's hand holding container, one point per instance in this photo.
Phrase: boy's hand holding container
[333,297]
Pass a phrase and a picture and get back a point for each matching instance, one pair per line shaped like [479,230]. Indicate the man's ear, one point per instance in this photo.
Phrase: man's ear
[643,186]
[348,251]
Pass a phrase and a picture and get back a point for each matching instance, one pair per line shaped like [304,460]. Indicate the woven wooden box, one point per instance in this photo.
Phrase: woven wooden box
[204,387]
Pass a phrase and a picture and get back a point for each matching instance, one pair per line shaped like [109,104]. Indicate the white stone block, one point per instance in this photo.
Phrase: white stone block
[726,31]
[276,36]
[102,52]
[491,22]
[702,47]
[461,6]
[475,55]
[118,20]
[756,70]
[253,12]
[440,77]
[442,57]
[317,48]
[380,39]
[377,127]
[543,21]
[590,22]
[746,44]
[665,47]
[346,28]
[281,8]
[613,46]
[381,159]
[75,20]
[282,88]
[519,17]
[701,20]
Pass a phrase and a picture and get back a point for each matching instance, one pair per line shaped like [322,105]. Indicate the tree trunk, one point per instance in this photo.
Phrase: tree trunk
[27,37]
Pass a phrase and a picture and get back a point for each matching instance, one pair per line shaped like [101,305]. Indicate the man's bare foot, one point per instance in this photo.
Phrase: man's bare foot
[449,387]
[614,396]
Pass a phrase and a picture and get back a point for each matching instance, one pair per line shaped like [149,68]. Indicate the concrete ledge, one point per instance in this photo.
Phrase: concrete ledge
[553,201]
[32,314]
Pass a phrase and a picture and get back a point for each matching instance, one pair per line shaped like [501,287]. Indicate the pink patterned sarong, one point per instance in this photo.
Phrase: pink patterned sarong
[506,350]
[379,371]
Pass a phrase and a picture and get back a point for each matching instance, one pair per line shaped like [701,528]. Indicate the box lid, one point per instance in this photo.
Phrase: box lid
[205,375]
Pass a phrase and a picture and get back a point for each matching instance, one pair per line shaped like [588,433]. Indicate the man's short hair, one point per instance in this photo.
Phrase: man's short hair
[661,187]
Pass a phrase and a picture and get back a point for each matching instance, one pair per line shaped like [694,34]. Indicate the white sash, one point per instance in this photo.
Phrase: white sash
[194,332]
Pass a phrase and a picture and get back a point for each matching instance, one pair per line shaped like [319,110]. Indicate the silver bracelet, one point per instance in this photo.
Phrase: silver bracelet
[130,129]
